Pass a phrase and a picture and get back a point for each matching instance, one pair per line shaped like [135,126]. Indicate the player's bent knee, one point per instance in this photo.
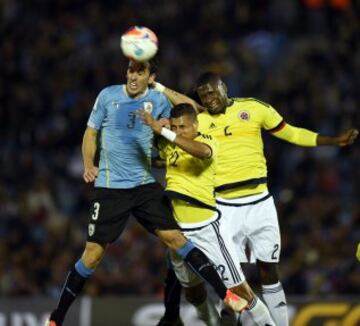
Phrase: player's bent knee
[93,254]
[173,239]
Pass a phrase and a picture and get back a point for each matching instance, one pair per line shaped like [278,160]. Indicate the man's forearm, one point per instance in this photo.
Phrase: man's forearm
[89,148]
[326,140]
[194,148]
[178,98]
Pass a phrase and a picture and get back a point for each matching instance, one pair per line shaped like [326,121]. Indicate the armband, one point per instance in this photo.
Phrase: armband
[168,134]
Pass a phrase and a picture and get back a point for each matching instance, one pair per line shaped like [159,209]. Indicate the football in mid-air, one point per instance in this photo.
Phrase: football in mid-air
[139,43]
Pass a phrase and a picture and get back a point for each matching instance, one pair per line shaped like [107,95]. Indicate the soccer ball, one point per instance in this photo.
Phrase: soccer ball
[139,43]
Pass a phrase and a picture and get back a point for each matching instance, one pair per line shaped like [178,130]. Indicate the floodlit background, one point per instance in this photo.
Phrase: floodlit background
[301,56]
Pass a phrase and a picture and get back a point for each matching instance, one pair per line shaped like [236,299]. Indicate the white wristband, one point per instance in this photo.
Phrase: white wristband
[159,87]
[168,134]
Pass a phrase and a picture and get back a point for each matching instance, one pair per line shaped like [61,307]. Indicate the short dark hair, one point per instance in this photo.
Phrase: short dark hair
[207,77]
[183,109]
[151,64]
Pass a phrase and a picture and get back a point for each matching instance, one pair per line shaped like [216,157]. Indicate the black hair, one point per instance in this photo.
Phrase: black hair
[183,109]
[208,77]
[151,64]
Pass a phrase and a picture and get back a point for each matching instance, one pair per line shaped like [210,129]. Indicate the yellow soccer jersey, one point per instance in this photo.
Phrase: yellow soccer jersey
[191,181]
[241,164]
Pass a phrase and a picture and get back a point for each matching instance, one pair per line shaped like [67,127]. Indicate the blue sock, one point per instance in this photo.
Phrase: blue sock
[83,270]
[73,285]
[185,249]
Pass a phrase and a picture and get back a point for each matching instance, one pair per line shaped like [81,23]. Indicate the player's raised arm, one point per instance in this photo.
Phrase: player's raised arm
[186,142]
[305,137]
[177,98]
[88,153]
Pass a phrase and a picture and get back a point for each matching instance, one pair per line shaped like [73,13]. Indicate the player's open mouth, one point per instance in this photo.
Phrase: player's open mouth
[133,86]
[213,105]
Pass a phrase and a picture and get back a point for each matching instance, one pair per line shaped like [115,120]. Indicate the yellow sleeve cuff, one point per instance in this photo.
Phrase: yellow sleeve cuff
[298,136]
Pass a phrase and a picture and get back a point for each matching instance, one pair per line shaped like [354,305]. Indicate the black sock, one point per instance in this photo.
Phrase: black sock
[172,296]
[201,265]
[72,287]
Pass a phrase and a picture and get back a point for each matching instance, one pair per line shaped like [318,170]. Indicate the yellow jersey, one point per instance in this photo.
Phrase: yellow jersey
[241,164]
[190,183]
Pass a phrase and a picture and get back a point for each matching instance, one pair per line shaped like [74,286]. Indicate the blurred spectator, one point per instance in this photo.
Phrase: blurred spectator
[57,55]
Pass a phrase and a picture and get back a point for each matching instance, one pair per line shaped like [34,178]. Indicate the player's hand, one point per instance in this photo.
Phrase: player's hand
[358,252]
[164,122]
[90,174]
[347,137]
[155,125]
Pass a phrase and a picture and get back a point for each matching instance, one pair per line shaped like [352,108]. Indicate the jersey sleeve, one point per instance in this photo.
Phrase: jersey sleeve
[98,112]
[271,118]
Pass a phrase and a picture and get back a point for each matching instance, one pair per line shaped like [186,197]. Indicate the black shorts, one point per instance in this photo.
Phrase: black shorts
[111,208]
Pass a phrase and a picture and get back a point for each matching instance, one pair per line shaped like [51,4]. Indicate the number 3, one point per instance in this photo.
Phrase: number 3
[96,211]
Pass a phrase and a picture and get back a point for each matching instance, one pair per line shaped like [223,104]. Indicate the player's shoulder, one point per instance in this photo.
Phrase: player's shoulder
[157,95]
[110,90]
[241,102]
[204,116]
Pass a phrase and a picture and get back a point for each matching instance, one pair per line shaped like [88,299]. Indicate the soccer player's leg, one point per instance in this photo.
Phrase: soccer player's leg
[153,211]
[108,215]
[265,243]
[172,297]
[205,308]
[223,252]
[195,291]
[76,279]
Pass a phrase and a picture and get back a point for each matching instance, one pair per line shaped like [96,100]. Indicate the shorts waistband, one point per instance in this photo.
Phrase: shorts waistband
[199,225]
[243,201]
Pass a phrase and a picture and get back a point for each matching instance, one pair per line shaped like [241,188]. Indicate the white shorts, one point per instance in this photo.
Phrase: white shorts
[220,251]
[252,221]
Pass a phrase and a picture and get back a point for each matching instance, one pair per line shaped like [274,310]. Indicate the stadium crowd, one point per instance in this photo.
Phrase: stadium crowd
[300,56]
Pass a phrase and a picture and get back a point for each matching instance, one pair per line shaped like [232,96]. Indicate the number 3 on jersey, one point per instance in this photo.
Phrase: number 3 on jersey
[95,215]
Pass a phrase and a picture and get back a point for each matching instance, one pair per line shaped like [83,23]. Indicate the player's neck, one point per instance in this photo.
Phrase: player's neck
[135,96]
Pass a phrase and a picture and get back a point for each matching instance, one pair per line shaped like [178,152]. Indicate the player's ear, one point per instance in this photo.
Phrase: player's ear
[151,78]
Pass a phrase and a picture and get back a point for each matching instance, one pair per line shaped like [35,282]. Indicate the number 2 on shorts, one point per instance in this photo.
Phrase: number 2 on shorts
[276,248]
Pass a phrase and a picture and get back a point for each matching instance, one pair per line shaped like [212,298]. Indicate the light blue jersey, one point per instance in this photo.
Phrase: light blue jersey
[125,141]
